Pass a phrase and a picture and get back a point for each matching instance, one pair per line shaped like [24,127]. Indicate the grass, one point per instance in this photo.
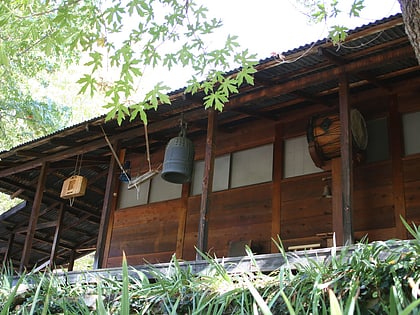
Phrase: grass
[368,278]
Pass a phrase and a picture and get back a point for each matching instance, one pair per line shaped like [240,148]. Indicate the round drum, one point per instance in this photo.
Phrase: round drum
[324,132]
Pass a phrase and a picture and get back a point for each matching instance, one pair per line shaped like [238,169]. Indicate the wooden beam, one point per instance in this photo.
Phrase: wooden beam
[313,98]
[331,56]
[29,153]
[346,158]
[107,212]
[277,178]
[39,226]
[299,83]
[396,142]
[366,75]
[57,233]
[34,217]
[8,252]
[337,201]
[207,182]
[255,114]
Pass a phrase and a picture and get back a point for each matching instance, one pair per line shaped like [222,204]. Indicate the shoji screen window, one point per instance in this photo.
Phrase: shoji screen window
[297,160]
[411,129]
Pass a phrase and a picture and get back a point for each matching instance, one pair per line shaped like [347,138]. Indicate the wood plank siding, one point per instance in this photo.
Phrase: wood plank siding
[152,232]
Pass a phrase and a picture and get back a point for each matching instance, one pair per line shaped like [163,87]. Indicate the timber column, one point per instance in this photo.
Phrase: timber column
[346,159]
[207,185]
[33,220]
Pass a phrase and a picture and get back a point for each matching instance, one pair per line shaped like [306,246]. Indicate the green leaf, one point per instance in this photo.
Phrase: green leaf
[228,86]
[11,297]
[216,100]
[258,298]
[356,8]
[4,59]
[335,306]
[96,61]
[337,34]
[87,81]
[125,299]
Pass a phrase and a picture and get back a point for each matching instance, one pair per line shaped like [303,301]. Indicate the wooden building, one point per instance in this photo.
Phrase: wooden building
[254,178]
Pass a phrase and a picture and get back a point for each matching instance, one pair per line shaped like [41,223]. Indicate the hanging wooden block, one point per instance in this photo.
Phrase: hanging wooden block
[74,186]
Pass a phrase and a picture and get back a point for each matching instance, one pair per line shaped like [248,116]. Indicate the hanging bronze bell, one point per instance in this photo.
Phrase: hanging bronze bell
[178,161]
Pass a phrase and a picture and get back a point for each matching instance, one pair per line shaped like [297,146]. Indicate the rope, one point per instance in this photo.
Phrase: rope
[147,146]
[115,154]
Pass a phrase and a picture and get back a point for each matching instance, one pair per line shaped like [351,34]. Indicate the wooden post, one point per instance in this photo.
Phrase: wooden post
[9,247]
[396,136]
[57,233]
[346,159]
[337,201]
[108,206]
[71,260]
[182,221]
[277,177]
[207,185]
[34,217]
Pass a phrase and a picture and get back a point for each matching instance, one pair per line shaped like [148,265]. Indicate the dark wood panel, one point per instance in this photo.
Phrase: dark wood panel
[411,169]
[374,197]
[145,230]
[307,227]
[303,187]
[144,245]
[242,213]
[372,175]
[167,210]
[412,199]
[375,234]
[141,259]
[305,208]
[374,218]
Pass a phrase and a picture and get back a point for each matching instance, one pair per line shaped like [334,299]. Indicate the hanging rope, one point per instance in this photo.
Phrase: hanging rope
[115,155]
[76,172]
[147,146]
[138,180]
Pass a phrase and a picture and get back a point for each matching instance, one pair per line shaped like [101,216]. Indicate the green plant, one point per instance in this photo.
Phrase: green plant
[366,278]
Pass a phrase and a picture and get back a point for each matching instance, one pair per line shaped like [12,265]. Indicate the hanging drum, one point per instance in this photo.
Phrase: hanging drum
[178,161]
[324,133]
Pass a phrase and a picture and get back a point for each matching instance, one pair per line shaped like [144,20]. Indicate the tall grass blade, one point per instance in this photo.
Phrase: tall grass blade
[411,308]
[11,297]
[414,231]
[288,304]
[35,299]
[125,301]
[47,297]
[258,298]
[393,309]
[100,307]
[335,306]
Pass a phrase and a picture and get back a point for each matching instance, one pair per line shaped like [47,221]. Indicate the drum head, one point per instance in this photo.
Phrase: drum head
[358,129]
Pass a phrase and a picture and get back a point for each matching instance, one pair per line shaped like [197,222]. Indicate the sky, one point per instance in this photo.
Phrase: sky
[266,26]
[270,26]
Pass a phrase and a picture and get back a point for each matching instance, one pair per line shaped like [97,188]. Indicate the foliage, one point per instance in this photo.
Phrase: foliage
[330,12]
[375,278]
[120,41]
[23,57]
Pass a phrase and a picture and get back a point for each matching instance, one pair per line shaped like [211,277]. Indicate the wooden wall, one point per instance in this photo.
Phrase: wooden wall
[146,233]
[382,190]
